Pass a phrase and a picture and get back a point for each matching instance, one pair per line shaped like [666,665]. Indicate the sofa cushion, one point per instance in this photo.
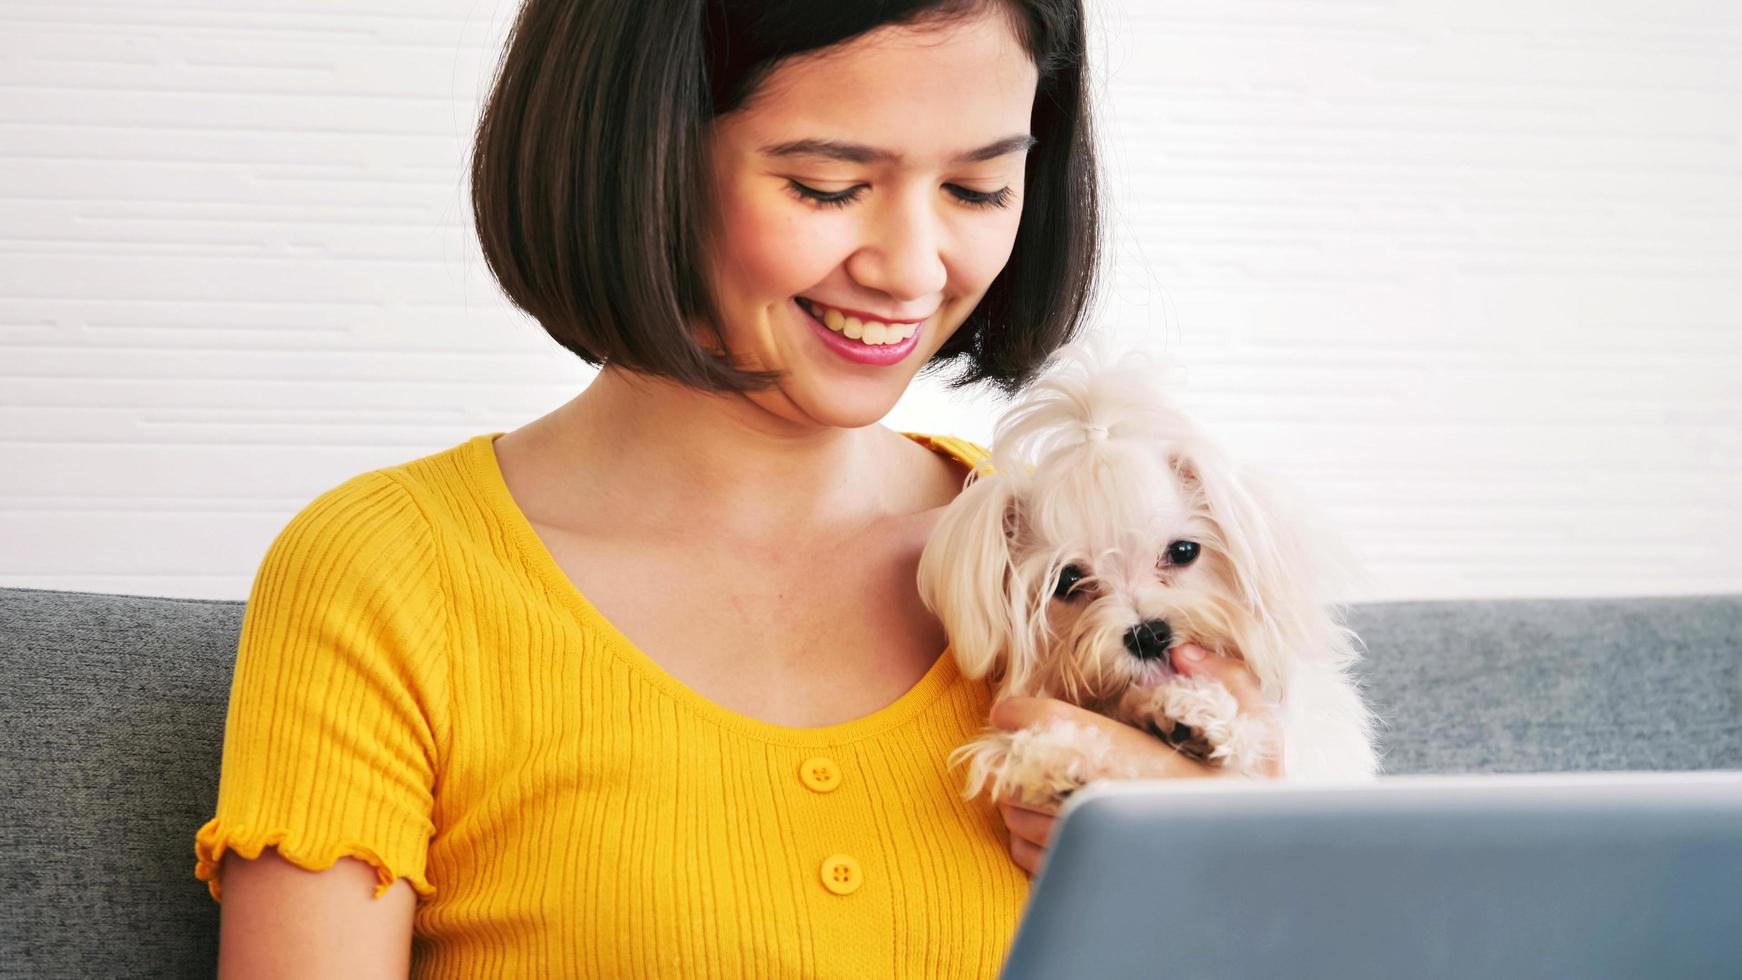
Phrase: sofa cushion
[113,724]
[1556,684]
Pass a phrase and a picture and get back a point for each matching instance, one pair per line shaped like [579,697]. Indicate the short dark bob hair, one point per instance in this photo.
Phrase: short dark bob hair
[588,175]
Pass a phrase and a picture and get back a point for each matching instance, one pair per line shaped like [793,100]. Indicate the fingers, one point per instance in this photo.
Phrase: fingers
[1030,831]
[1027,856]
[1233,673]
[1033,826]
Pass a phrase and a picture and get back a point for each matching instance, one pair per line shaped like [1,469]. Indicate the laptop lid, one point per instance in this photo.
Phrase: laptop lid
[1589,875]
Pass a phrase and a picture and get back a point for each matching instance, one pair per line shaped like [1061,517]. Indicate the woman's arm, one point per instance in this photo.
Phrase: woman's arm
[1031,828]
[281,922]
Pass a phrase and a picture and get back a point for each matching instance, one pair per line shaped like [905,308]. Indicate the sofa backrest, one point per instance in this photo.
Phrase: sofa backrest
[112,715]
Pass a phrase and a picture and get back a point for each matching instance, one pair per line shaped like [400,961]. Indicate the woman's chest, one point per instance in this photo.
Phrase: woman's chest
[594,820]
[804,638]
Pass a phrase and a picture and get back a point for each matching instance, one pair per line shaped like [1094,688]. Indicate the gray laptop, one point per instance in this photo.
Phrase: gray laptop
[1584,876]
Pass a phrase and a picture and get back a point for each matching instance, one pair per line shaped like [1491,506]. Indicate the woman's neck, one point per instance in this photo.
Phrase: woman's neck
[667,456]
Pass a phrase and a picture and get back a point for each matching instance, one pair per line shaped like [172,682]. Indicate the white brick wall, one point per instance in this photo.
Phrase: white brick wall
[1467,272]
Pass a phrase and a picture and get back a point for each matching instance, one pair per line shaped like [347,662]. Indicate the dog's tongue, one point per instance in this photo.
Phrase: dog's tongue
[1152,678]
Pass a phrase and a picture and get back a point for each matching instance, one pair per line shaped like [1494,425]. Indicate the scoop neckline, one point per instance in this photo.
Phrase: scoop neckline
[486,470]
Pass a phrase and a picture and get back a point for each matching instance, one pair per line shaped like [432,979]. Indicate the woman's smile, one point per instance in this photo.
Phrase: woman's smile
[856,325]
[876,344]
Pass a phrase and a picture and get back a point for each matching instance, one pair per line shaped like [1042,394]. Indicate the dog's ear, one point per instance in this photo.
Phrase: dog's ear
[1291,572]
[1284,566]
[966,573]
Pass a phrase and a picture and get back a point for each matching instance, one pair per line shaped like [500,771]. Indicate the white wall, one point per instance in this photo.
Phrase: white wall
[1468,272]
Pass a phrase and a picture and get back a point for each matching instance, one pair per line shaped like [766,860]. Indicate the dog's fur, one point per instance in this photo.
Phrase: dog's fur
[1094,470]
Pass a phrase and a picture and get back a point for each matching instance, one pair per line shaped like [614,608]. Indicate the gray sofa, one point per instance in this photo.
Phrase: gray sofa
[112,718]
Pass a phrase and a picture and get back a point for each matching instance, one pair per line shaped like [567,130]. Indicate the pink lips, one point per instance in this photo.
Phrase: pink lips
[881,355]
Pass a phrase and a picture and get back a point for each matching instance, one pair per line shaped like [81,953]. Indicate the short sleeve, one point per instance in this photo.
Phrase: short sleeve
[338,702]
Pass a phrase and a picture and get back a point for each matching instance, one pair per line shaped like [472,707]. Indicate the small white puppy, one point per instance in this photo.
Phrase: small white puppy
[1106,530]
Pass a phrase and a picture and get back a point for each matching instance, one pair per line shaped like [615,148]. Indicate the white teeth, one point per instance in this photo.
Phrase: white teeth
[869,331]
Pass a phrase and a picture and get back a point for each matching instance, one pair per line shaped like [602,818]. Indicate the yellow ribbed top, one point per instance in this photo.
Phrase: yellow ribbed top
[419,685]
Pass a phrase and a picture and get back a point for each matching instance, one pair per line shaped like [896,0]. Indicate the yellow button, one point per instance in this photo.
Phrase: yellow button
[841,874]
[820,773]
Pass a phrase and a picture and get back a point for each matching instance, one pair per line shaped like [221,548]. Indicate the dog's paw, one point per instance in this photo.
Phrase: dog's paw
[1039,765]
[1201,718]
[1246,748]
[987,759]
[1053,760]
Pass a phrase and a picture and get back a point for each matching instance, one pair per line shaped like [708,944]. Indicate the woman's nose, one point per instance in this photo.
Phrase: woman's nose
[904,254]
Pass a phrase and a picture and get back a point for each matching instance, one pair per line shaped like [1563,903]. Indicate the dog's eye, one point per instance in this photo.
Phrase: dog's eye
[1068,580]
[1182,552]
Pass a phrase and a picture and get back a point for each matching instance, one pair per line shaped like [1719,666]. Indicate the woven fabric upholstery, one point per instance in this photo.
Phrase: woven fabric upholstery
[1556,685]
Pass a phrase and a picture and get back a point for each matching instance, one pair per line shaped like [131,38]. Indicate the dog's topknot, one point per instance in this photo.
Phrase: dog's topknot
[1084,400]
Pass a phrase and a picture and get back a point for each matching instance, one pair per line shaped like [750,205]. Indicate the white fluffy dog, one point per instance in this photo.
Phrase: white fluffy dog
[1106,530]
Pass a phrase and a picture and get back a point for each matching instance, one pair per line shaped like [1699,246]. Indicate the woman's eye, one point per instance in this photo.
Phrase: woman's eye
[999,198]
[1067,583]
[839,199]
[1182,552]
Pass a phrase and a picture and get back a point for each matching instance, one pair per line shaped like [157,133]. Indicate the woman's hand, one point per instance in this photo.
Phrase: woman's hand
[1031,827]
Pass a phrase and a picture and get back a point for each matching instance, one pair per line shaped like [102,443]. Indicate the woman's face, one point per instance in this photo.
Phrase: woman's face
[919,138]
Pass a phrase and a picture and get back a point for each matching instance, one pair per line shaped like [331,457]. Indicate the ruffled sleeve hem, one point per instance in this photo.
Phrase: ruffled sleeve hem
[214,839]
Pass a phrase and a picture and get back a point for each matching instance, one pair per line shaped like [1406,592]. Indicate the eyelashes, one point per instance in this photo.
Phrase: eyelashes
[997,199]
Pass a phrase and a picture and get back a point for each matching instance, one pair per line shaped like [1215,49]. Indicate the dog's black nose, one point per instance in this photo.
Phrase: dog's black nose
[1149,641]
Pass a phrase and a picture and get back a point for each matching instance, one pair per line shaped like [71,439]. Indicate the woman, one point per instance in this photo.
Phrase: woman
[644,687]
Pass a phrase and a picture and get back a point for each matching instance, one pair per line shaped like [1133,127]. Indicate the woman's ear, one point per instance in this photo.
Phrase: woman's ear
[965,575]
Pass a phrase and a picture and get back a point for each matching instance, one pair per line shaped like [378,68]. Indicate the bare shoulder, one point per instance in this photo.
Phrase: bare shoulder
[936,476]
[278,920]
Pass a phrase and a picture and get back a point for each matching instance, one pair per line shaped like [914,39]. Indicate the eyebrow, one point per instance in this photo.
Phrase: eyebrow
[860,153]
